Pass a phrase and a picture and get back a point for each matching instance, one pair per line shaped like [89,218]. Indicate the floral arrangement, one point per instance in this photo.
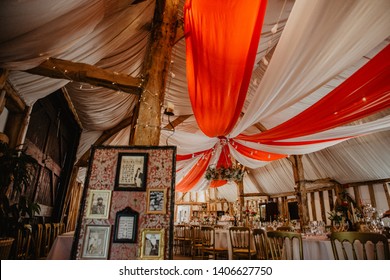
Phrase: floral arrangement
[336,216]
[233,173]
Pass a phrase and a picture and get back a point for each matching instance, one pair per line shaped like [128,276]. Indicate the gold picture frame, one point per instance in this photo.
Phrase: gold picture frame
[156,201]
[152,244]
[98,206]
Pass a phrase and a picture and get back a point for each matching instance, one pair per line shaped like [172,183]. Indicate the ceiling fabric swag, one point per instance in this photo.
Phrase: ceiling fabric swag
[194,175]
[222,37]
[312,50]
[364,93]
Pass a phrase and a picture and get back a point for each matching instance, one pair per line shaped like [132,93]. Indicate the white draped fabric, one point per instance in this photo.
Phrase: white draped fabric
[312,51]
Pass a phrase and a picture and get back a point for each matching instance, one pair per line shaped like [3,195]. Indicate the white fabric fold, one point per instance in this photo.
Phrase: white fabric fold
[312,50]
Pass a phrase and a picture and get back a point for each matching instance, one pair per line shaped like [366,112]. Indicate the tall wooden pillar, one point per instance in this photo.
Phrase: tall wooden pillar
[240,190]
[155,71]
[300,189]
[3,79]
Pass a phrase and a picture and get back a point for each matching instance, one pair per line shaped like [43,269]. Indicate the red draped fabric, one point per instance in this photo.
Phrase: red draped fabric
[222,37]
[256,154]
[364,93]
[188,156]
[195,174]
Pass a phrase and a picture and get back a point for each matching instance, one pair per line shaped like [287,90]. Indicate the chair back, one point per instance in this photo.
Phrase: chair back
[285,245]
[196,234]
[46,244]
[359,245]
[180,231]
[285,228]
[260,238]
[240,239]
[62,228]
[5,248]
[196,242]
[55,231]
[23,242]
[208,236]
[37,240]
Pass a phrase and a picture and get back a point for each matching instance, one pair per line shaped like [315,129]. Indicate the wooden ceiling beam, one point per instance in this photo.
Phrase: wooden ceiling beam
[260,127]
[180,119]
[85,73]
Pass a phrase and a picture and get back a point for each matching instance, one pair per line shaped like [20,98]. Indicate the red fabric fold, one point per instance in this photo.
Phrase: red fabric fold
[256,154]
[194,175]
[217,183]
[364,93]
[222,37]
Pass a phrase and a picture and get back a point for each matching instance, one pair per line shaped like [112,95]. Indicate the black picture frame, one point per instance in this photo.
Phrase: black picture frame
[131,172]
[126,226]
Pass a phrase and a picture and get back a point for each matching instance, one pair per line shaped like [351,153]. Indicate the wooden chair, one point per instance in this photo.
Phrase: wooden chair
[218,226]
[55,231]
[285,245]
[240,239]
[182,239]
[260,238]
[5,248]
[208,244]
[355,245]
[37,239]
[23,242]
[46,244]
[196,244]
[62,228]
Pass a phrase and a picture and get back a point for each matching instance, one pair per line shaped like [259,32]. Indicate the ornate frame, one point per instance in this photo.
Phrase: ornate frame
[126,226]
[156,236]
[156,201]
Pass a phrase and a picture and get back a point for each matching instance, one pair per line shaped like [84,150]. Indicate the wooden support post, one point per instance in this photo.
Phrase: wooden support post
[313,206]
[386,189]
[322,205]
[331,199]
[155,71]
[358,197]
[372,195]
[240,190]
[300,189]
[3,79]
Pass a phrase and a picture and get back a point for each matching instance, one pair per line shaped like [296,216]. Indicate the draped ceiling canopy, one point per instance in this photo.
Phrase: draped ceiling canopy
[257,81]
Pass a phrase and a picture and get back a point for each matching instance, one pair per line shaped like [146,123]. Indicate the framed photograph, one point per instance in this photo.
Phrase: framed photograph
[126,223]
[131,172]
[152,246]
[98,206]
[96,242]
[156,201]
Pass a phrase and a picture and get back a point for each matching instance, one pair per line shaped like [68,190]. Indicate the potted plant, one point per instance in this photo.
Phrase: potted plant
[17,170]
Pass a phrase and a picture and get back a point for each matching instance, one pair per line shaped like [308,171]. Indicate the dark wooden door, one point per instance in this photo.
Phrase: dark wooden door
[52,138]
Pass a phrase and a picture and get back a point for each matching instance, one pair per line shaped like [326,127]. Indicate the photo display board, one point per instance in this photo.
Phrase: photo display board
[127,204]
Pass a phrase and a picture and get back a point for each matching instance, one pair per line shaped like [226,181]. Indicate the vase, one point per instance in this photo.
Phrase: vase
[340,226]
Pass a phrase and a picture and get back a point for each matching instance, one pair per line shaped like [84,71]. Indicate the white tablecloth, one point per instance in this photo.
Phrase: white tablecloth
[62,246]
[317,248]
